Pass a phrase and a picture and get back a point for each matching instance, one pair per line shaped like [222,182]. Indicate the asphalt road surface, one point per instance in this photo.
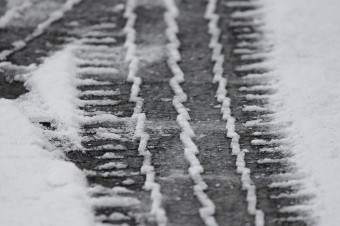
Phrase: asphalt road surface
[271,187]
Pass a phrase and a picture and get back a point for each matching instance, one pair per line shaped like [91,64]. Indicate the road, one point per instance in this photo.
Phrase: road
[187,137]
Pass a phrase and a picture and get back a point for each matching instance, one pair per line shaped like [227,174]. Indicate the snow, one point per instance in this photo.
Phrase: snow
[112,165]
[252,108]
[104,40]
[102,118]
[243,4]
[97,71]
[128,182]
[115,216]
[37,184]
[266,142]
[91,82]
[95,62]
[256,97]
[53,95]
[106,136]
[290,183]
[117,147]
[99,189]
[306,53]
[114,201]
[99,93]
[251,67]
[117,173]
[104,102]
[156,196]
[295,195]
[269,161]
[95,48]
[107,25]
[280,149]
[111,155]
[304,60]
[257,88]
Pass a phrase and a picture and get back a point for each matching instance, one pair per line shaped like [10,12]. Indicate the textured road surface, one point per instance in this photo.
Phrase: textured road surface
[241,40]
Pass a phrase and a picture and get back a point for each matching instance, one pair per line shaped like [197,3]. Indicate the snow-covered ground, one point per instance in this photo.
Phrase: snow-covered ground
[306,54]
[38,187]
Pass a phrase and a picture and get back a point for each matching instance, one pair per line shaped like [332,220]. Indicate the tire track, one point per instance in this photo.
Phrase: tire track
[157,210]
[218,163]
[120,140]
[180,204]
[207,210]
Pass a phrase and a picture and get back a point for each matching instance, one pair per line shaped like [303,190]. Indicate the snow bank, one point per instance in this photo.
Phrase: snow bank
[37,186]
[306,57]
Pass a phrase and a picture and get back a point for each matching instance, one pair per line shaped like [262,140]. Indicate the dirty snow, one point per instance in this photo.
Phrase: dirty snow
[306,55]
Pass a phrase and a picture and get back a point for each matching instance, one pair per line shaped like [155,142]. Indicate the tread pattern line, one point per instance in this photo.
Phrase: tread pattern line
[207,210]
[221,94]
[150,185]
